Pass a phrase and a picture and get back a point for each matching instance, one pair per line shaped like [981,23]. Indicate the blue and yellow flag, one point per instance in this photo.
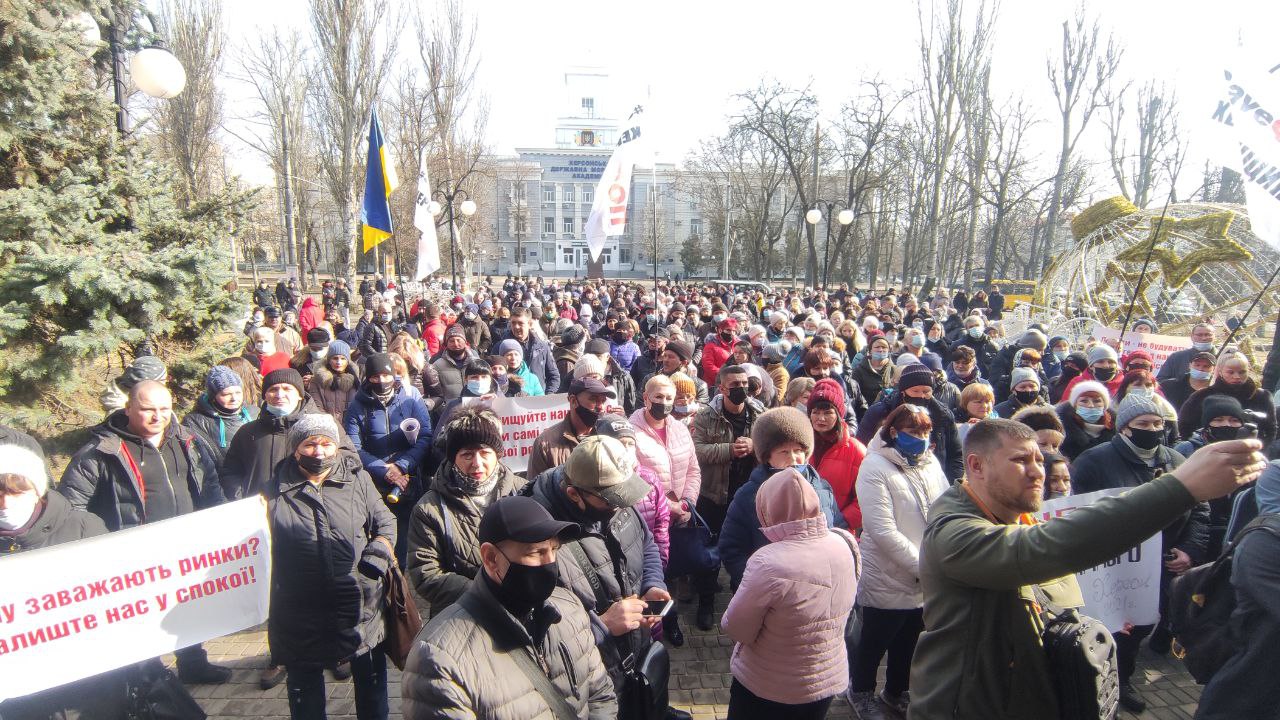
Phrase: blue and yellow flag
[379,182]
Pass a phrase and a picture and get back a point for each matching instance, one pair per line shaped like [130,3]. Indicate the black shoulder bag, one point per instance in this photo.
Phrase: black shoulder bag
[1081,655]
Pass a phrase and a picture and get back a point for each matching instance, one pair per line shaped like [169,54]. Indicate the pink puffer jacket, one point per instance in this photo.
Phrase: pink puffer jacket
[674,462]
[788,615]
[653,508]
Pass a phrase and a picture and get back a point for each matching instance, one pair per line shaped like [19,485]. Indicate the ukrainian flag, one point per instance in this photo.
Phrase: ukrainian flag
[379,182]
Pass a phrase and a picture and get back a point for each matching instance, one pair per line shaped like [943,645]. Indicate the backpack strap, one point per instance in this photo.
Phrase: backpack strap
[447,540]
[597,588]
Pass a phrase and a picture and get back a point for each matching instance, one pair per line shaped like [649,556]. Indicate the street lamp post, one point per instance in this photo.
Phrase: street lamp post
[467,207]
[814,216]
[153,68]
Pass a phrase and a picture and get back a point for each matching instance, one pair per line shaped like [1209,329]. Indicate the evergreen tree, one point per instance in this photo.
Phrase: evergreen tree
[95,254]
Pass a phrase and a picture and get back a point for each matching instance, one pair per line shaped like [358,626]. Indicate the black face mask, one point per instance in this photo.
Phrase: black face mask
[1070,371]
[1218,434]
[659,410]
[737,395]
[381,389]
[312,465]
[620,337]
[726,336]
[587,416]
[595,514]
[1026,397]
[922,402]
[1104,374]
[1146,439]
[525,587]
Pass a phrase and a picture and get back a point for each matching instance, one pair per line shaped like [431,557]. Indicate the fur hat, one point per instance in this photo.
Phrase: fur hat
[1039,417]
[318,336]
[914,376]
[310,425]
[20,461]
[1021,375]
[1087,386]
[471,427]
[1133,407]
[829,392]
[777,426]
[220,378]
[290,376]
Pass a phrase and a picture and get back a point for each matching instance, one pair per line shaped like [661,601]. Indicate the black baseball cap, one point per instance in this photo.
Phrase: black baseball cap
[522,519]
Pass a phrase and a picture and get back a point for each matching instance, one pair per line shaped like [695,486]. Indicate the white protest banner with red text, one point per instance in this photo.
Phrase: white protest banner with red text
[76,610]
[523,420]
[1160,346]
[1124,589]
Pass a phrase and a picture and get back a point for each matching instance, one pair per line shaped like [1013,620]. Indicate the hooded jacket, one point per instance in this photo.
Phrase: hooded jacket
[332,392]
[566,360]
[107,477]
[326,593]
[310,315]
[215,427]
[674,460]
[375,431]
[741,536]
[444,545]
[788,617]
[461,665]
[895,497]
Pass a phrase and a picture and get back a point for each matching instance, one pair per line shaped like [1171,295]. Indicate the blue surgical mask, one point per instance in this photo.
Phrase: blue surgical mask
[1201,374]
[479,387]
[891,337]
[1090,415]
[917,341]
[1202,346]
[1141,392]
[976,332]
[909,445]
[1060,355]
[879,355]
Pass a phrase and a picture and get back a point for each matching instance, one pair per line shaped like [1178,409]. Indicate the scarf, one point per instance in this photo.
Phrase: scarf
[469,486]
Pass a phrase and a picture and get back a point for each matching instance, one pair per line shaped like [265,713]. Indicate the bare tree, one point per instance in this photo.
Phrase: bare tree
[1150,150]
[188,123]
[1008,183]
[350,64]
[1079,76]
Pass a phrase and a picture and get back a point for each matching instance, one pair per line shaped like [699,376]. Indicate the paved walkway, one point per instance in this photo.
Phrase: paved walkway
[700,680]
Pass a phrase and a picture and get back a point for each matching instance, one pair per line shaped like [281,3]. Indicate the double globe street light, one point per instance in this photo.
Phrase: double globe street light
[814,216]
[467,207]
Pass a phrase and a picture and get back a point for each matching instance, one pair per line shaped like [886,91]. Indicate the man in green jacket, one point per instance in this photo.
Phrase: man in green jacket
[980,655]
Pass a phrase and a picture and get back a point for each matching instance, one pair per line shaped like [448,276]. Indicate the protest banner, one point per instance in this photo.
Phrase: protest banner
[523,420]
[76,610]
[1160,346]
[1124,589]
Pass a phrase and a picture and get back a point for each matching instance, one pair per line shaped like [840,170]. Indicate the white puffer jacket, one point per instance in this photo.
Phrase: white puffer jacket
[895,499]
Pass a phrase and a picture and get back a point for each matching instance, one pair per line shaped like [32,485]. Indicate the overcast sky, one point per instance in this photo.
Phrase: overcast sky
[689,57]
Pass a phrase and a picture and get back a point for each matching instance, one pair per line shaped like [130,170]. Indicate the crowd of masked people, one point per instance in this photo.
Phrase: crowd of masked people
[801,442]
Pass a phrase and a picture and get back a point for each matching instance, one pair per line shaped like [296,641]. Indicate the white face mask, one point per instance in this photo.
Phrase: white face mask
[18,510]
[263,348]
[320,354]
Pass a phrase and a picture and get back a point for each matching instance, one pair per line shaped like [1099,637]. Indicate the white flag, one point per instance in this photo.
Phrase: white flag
[428,244]
[1248,108]
[609,209]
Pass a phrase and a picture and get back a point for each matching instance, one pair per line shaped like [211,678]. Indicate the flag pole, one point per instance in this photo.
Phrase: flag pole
[1142,276]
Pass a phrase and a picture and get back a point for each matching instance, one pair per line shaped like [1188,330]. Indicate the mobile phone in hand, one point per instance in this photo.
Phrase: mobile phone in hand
[657,608]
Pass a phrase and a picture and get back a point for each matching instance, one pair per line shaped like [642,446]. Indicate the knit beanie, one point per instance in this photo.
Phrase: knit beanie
[338,347]
[827,392]
[472,427]
[509,345]
[289,376]
[220,378]
[1101,352]
[684,384]
[777,426]
[682,349]
[1089,386]
[1033,339]
[933,361]
[147,367]
[375,365]
[774,352]
[1219,405]
[588,365]
[455,330]
[310,425]
[1021,375]
[572,336]
[1132,407]
[914,376]
[20,461]
[906,359]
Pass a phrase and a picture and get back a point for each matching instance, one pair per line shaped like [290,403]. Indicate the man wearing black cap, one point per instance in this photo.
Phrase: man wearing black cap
[311,357]
[674,358]
[649,360]
[451,363]
[615,566]
[587,398]
[1198,376]
[514,643]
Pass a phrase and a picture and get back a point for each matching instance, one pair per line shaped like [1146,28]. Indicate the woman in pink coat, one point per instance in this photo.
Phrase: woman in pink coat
[665,446]
[788,616]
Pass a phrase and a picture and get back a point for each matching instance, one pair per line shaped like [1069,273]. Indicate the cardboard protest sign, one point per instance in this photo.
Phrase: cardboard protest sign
[523,420]
[1124,589]
[76,610]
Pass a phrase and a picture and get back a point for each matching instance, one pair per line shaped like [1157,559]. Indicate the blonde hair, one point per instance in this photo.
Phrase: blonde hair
[797,387]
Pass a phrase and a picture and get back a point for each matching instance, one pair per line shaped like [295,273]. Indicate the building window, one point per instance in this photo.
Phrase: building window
[606,256]
[549,193]
[695,226]
[588,194]
[519,225]
[653,193]
[624,255]
[548,224]
[568,257]
[504,252]
[568,225]
[567,194]
[589,107]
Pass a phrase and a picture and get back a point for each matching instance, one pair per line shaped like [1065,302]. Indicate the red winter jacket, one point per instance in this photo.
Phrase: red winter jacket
[714,355]
[839,467]
[309,315]
[433,335]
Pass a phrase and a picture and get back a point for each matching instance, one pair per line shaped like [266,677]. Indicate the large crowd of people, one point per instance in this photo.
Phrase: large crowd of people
[859,469]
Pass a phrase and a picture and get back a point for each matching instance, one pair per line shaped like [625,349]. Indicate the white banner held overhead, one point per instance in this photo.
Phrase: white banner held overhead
[523,420]
[1124,589]
[1159,346]
[609,206]
[1248,110]
[76,610]
[429,243]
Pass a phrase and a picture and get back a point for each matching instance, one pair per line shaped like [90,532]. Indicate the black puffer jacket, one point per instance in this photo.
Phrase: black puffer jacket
[326,589]
[870,382]
[57,523]
[259,445]
[215,427]
[1075,440]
